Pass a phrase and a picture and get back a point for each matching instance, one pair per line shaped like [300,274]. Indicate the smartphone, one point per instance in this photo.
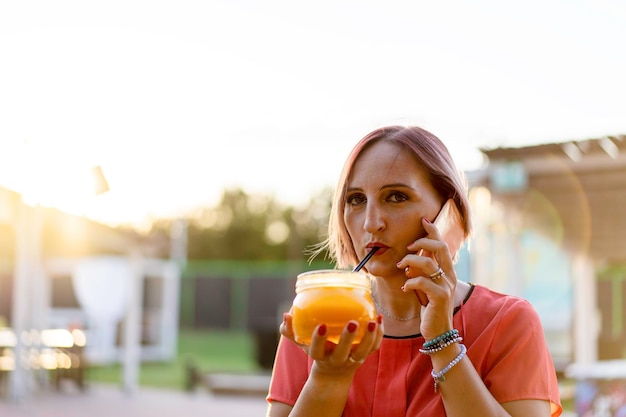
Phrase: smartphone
[450,226]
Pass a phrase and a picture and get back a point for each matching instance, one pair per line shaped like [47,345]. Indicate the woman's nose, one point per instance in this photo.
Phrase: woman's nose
[374,221]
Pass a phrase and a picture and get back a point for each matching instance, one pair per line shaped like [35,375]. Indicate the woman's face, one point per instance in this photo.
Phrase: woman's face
[387,196]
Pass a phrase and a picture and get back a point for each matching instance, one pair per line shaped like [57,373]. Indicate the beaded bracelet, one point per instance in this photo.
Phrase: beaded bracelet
[439,377]
[437,341]
[441,346]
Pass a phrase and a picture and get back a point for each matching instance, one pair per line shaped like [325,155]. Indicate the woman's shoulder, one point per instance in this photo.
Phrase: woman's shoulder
[491,318]
[488,302]
[486,294]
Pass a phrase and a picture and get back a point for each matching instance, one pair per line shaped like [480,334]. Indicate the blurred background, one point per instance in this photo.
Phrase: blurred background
[165,165]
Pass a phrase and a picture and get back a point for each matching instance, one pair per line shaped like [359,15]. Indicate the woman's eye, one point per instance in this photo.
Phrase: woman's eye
[397,197]
[355,199]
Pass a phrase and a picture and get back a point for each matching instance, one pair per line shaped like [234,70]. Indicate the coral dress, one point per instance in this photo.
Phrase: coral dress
[505,343]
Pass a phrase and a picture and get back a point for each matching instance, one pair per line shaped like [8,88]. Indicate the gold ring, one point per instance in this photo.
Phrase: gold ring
[354,361]
[437,274]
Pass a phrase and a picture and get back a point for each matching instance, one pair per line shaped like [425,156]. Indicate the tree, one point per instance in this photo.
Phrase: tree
[254,227]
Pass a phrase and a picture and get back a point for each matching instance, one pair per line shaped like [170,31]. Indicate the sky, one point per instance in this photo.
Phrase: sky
[178,100]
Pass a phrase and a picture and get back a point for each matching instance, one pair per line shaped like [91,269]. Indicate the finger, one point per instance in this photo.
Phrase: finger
[422,297]
[414,269]
[424,288]
[380,332]
[427,246]
[440,248]
[318,347]
[368,343]
[432,233]
[344,347]
[428,289]
[286,327]
[416,265]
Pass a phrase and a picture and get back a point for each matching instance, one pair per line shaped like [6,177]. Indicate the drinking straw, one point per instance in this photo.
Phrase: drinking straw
[367,258]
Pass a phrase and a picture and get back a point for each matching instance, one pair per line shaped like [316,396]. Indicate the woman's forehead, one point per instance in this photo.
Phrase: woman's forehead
[386,162]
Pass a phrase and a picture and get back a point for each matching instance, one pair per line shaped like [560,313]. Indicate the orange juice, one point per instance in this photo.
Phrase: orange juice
[332,297]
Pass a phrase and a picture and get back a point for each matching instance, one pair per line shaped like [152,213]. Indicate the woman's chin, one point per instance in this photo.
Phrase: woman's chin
[384,270]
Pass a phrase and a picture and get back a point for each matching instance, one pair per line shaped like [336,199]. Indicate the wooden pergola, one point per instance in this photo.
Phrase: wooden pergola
[574,193]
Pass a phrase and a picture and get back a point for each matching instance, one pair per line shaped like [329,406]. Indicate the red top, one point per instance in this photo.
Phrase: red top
[505,342]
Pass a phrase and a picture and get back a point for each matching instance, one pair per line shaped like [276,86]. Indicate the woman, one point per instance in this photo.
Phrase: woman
[454,350]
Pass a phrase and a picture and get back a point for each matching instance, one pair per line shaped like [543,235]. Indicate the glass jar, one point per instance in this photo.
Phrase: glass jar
[333,297]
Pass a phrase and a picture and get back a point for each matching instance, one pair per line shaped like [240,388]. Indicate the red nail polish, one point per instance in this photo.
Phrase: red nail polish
[321,331]
[352,327]
[371,326]
[379,319]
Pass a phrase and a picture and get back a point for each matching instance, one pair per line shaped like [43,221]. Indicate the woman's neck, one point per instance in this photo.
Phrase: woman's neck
[401,310]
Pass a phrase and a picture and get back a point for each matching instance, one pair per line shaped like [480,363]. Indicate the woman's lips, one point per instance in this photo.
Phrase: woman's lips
[381,248]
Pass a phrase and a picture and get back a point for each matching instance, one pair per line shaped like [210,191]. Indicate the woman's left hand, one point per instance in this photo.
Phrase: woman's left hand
[434,286]
[342,357]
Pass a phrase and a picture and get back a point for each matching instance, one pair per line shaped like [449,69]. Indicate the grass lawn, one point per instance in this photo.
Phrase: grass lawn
[211,351]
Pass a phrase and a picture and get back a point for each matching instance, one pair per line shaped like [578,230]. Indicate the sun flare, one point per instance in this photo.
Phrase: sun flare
[46,175]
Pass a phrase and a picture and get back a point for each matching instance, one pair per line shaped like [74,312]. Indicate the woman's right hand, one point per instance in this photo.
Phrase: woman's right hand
[337,358]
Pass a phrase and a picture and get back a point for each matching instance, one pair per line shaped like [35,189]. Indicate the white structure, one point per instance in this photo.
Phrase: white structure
[108,292]
[130,290]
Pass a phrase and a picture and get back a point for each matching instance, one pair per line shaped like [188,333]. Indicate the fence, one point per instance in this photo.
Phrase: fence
[241,295]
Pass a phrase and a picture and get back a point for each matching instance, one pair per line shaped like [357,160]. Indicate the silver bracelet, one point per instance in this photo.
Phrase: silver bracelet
[439,377]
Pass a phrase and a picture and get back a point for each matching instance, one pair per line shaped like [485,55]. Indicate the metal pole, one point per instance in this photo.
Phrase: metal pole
[25,289]
[132,327]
